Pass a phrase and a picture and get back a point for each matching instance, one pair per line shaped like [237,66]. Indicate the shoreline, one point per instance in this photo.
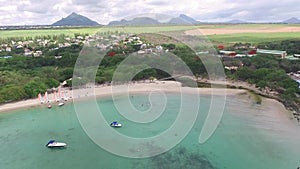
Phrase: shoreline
[294,108]
[133,88]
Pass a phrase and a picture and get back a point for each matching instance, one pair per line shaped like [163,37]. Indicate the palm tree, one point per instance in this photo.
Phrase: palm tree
[151,78]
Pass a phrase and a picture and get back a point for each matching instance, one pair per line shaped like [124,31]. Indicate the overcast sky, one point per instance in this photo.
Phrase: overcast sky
[26,12]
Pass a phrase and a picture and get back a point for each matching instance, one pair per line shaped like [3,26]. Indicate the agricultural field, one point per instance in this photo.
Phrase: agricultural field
[218,33]
[254,38]
[91,30]
[248,33]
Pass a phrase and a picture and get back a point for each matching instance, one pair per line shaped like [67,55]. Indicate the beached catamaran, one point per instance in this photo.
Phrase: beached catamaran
[41,98]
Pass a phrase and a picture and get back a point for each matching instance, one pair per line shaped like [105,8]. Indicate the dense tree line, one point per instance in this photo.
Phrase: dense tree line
[291,46]
[269,72]
[24,77]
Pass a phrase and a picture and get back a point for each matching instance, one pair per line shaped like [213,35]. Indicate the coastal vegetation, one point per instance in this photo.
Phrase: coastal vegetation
[23,77]
[269,73]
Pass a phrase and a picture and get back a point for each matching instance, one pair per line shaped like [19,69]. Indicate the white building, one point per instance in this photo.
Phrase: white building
[272,52]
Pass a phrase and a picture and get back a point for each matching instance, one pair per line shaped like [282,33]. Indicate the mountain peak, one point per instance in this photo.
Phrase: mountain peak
[292,20]
[135,21]
[73,14]
[75,19]
[183,19]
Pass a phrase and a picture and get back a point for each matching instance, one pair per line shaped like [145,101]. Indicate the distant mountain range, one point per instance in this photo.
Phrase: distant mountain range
[79,20]
[135,21]
[180,20]
[75,19]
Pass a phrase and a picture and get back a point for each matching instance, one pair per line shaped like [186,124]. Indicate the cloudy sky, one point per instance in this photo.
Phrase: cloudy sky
[26,12]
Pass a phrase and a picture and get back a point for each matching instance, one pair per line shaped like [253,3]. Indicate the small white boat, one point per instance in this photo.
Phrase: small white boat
[54,144]
[61,104]
[115,124]
[49,106]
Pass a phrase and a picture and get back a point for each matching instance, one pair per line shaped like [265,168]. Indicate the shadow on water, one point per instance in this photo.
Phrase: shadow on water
[177,158]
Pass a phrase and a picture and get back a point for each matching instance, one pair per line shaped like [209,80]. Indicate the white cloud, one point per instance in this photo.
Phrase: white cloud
[20,12]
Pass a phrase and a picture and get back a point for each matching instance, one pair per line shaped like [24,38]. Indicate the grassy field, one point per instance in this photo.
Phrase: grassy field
[41,32]
[246,26]
[91,30]
[219,38]
[254,37]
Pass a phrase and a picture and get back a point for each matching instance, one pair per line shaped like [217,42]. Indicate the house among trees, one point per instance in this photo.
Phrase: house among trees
[8,49]
[27,52]
[5,57]
[37,53]
[272,52]
[297,55]
[228,53]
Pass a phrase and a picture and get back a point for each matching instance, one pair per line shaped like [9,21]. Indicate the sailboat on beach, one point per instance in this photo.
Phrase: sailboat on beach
[41,98]
[47,98]
[57,97]
[66,97]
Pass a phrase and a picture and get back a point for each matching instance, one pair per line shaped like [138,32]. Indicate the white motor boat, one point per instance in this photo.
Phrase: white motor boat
[115,124]
[54,144]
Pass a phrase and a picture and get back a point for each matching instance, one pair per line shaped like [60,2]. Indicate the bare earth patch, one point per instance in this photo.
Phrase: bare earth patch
[222,31]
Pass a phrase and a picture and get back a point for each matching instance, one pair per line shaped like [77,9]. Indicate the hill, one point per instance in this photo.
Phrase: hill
[183,19]
[75,19]
[135,21]
[180,20]
[292,20]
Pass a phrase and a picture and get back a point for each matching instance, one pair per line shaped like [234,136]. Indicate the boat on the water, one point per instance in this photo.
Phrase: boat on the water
[115,124]
[54,144]
[61,104]
[49,106]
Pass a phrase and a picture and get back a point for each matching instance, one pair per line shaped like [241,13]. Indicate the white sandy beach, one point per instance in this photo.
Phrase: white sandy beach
[138,87]
[270,116]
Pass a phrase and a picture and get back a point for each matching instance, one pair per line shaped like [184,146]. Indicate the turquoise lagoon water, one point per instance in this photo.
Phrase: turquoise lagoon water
[236,144]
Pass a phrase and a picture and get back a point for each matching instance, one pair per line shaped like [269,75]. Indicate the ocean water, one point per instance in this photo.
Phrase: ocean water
[236,144]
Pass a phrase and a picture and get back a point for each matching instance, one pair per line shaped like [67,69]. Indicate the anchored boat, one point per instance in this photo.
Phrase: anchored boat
[115,124]
[54,144]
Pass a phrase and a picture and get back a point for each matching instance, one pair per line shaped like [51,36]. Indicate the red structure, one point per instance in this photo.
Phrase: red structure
[232,54]
[111,54]
[252,52]
[221,47]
